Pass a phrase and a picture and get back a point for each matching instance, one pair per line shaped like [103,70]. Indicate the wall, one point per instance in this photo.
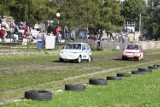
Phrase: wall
[114,45]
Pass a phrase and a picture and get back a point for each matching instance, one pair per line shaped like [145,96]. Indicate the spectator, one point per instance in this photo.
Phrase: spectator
[2,34]
[58,35]
[99,46]
[21,26]
[66,32]
[15,31]
[40,39]
[50,29]
[27,34]
[104,35]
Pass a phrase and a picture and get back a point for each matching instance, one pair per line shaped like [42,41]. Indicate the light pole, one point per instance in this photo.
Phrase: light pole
[58,16]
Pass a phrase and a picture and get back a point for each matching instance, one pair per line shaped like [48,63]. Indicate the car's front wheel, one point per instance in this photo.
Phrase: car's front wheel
[89,59]
[61,60]
[79,59]
[139,58]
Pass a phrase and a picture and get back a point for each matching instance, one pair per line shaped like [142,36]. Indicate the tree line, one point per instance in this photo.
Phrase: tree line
[94,14]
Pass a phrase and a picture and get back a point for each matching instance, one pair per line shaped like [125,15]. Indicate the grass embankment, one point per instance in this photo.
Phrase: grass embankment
[135,91]
[43,71]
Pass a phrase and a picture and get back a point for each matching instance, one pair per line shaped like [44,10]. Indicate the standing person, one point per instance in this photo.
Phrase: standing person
[40,39]
[66,32]
[50,29]
[86,33]
[58,35]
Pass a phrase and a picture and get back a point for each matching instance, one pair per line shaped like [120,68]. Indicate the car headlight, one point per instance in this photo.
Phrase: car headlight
[124,52]
[61,53]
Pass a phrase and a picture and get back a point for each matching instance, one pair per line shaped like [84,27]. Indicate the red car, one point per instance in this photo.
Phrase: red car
[133,51]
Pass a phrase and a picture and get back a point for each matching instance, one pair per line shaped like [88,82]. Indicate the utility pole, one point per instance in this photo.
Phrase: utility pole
[5,8]
[140,23]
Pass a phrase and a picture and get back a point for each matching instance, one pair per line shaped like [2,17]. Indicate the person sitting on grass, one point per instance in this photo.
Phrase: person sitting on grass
[99,46]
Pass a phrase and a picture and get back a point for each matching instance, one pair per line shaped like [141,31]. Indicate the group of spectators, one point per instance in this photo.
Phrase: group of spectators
[58,31]
[111,36]
[8,29]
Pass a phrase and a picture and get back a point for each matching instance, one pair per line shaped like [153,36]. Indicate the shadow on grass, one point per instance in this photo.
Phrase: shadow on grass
[120,59]
[71,61]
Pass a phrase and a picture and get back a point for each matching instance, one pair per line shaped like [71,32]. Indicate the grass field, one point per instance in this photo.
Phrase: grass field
[135,91]
[43,71]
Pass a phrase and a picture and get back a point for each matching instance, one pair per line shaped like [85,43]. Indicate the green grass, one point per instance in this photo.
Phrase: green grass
[26,70]
[134,91]
[42,71]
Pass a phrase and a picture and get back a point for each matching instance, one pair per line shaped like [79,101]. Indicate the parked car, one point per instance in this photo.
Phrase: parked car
[133,51]
[76,52]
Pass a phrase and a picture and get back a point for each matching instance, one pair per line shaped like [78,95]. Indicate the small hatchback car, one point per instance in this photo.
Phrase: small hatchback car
[133,51]
[76,51]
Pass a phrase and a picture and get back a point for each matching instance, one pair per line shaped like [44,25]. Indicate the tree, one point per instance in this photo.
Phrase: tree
[132,9]
[152,20]
[110,15]
[87,13]
[30,10]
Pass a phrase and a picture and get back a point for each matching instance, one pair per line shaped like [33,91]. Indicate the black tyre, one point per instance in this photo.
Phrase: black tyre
[123,74]
[79,59]
[157,65]
[89,59]
[97,81]
[113,78]
[75,87]
[61,60]
[153,67]
[124,58]
[144,69]
[38,95]
[138,72]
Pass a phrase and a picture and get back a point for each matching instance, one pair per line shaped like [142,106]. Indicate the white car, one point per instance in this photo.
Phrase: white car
[76,51]
[133,51]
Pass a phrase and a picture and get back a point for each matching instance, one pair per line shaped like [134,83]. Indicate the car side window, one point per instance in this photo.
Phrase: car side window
[87,47]
[68,46]
[83,47]
[77,46]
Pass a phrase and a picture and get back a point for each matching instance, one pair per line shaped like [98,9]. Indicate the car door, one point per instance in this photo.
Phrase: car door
[86,51]
[89,52]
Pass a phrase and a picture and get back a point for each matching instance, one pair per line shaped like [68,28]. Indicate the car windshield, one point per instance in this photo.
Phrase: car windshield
[73,46]
[132,47]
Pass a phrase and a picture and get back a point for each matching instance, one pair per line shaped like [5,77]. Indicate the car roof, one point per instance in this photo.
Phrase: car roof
[133,44]
[76,43]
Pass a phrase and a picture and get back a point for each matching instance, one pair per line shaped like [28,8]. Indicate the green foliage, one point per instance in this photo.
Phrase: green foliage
[86,15]
[74,13]
[110,15]
[132,8]
[94,14]
[152,21]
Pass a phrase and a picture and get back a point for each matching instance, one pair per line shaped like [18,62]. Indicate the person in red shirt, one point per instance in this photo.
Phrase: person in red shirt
[2,34]
[27,35]
[58,34]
